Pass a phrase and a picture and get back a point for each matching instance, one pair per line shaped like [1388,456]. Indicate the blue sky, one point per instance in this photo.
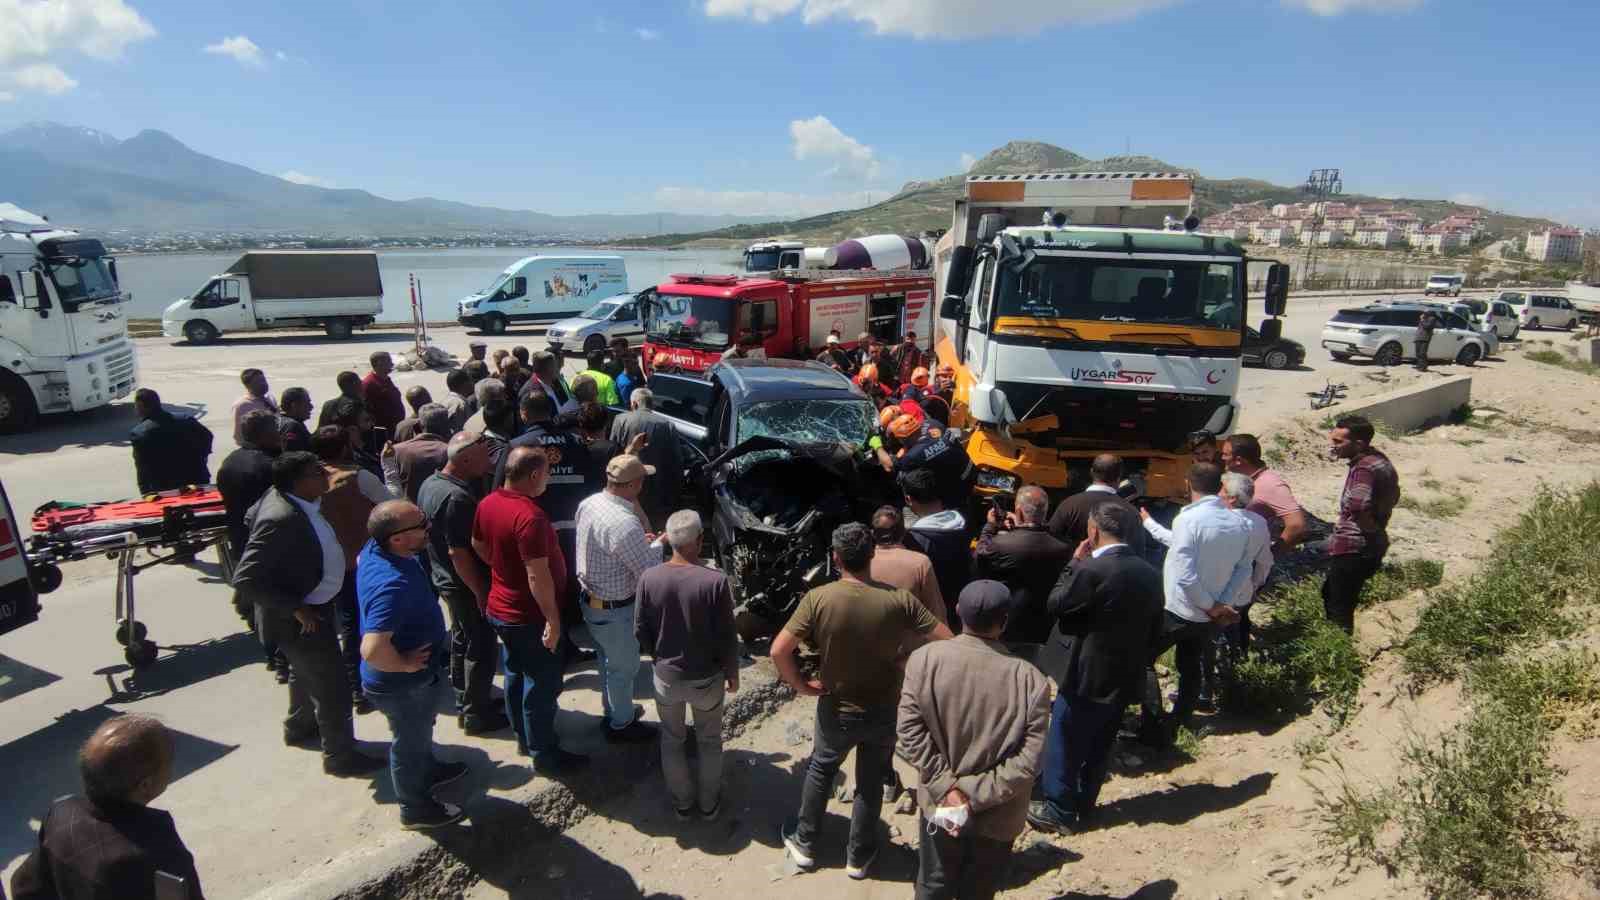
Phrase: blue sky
[773,106]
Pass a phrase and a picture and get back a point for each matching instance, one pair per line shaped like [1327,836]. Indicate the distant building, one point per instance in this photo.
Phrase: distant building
[1555,245]
[1271,232]
[1326,237]
[1344,221]
[1380,236]
[1438,239]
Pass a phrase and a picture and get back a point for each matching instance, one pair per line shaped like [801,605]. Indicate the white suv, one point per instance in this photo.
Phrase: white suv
[1386,333]
[1542,310]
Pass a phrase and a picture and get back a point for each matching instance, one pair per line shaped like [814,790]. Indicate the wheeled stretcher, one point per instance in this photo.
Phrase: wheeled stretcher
[182,522]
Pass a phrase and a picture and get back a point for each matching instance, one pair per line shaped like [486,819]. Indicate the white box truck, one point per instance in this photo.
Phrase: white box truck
[64,343]
[543,289]
[338,290]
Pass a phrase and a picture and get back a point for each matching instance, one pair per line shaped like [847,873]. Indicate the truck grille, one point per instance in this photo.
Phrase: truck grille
[119,369]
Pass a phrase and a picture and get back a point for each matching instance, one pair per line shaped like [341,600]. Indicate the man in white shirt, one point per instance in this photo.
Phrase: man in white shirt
[1206,566]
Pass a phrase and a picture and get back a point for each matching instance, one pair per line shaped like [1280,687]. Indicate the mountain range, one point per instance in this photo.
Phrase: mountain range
[152,182]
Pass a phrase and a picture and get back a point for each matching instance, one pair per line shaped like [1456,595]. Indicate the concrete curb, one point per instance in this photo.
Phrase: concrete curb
[505,828]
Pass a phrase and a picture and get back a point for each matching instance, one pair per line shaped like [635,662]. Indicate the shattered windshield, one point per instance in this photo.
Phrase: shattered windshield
[702,321]
[1194,294]
[808,421]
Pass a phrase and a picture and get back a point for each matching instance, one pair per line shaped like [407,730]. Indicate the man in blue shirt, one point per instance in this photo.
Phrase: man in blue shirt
[401,630]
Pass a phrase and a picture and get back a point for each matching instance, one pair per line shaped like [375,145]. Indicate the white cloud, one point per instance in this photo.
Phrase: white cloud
[37,34]
[1339,7]
[817,138]
[241,48]
[282,56]
[945,18]
[968,161]
[303,178]
[647,34]
[777,204]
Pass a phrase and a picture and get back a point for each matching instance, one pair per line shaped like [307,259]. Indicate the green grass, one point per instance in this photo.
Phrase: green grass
[1394,580]
[1554,358]
[1188,743]
[1447,506]
[1298,660]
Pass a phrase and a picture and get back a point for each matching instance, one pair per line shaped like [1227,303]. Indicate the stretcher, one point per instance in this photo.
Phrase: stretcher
[182,523]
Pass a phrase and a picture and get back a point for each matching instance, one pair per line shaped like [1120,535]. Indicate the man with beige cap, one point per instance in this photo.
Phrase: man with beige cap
[613,550]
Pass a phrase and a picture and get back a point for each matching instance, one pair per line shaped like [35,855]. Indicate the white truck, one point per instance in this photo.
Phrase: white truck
[338,290]
[64,343]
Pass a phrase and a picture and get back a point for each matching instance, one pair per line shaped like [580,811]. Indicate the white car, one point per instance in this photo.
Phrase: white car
[1446,285]
[1386,334]
[1496,315]
[593,330]
[1542,310]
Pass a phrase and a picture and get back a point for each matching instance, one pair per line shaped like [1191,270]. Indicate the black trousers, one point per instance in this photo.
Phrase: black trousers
[968,867]
[349,613]
[1190,638]
[1341,587]
[1422,353]
[474,654]
[871,735]
[319,696]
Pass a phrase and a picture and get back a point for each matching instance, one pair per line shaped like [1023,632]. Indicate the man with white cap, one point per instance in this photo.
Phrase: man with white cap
[613,550]
[972,722]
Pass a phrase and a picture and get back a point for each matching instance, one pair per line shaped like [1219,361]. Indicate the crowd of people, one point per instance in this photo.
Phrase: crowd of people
[989,657]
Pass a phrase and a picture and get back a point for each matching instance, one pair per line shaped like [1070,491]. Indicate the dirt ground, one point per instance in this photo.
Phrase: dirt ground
[1237,821]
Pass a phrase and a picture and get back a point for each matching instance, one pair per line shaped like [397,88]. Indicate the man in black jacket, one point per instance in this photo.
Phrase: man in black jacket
[169,452]
[294,410]
[1071,520]
[246,473]
[1018,552]
[291,569]
[1107,608]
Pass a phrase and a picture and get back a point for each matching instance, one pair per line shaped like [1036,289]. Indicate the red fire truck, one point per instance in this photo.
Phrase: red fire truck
[695,319]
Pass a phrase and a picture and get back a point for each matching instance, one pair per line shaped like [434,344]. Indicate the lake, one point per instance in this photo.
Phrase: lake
[156,280]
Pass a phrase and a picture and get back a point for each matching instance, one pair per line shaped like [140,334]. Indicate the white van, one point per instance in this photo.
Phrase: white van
[543,289]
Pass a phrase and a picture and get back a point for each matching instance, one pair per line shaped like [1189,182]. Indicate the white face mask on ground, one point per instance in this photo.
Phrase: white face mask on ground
[951,818]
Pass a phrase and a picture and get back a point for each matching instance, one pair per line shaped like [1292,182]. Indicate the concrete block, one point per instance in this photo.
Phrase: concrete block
[1413,408]
[1594,351]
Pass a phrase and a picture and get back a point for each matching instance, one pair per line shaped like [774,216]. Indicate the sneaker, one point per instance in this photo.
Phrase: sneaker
[559,762]
[281,674]
[353,763]
[309,737]
[487,723]
[710,815]
[801,859]
[446,814]
[858,871]
[1044,817]
[635,732]
[446,773]
[605,716]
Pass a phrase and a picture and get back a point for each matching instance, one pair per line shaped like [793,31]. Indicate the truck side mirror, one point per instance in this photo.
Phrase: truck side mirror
[989,225]
[1271,329]
[1277,294]
[958,277]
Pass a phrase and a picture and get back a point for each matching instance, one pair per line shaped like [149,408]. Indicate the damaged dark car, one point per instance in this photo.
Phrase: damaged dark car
[779,460]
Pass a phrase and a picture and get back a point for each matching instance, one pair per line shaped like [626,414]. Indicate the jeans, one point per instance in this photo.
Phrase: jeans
[1341,587]
[968,867]
[871,734]
[533,686]
[617,649]
[673,699]
[472,654]
[319,697]
[1190,638]
[1082,733]
[349,613]
[410,712]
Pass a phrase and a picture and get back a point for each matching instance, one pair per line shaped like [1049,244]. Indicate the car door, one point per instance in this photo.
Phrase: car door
[1569,316]
[1452,333]
[625,323]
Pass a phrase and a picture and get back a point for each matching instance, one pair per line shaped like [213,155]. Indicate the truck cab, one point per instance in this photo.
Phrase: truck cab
[770,256]
[64,343]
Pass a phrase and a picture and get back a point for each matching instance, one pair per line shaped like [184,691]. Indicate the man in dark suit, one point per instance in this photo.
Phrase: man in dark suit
[291,569]
[1071,520]
[108,844]
[169,452]
[660,450]
[1107,608]
[1018,552]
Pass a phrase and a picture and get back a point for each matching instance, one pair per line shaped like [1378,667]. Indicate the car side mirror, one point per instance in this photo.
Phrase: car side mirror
[1277,293]
[989,226]
[1271,329]
[958,278]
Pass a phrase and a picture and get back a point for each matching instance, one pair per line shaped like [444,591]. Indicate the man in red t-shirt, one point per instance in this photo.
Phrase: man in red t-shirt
[527,575]
[381,395]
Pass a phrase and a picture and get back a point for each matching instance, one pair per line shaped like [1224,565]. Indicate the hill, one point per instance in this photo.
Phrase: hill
[927,205]
[152,182]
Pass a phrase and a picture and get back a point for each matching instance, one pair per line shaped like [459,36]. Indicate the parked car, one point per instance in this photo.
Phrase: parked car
[1385,333]
[610,318]
[1282,353]
[1542,310]
[1494,314]
[1444,285]
[1491,337]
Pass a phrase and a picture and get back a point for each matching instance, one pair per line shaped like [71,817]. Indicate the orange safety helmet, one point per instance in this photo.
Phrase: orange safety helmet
[905,427]
[887,415]
[869,372]
[919,376]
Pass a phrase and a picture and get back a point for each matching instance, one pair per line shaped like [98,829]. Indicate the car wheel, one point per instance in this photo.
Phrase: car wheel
[593,342]
[200,332]
[1571,324]
[18,412]
[1276,359]
[1514,332]
[1389,354]
[1469,355]
[494,324]
[1533,322]
[1339,357]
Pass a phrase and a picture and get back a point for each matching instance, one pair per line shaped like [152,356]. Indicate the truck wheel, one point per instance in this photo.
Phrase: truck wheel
[1389,354]
[199,332]
[18,412]
[338,329]
[593,342]
[494,324]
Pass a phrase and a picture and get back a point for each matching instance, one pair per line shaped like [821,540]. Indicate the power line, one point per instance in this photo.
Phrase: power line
[1320,185]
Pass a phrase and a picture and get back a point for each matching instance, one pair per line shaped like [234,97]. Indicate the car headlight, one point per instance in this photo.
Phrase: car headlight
[997,481]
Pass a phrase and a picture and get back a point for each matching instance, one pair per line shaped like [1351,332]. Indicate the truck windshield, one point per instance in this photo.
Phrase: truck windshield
[81,279]
[701,321]
[808,421]
[762,260]
[1155,292]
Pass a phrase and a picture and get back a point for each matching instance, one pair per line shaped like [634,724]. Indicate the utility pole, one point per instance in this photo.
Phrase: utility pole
[1320,185]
